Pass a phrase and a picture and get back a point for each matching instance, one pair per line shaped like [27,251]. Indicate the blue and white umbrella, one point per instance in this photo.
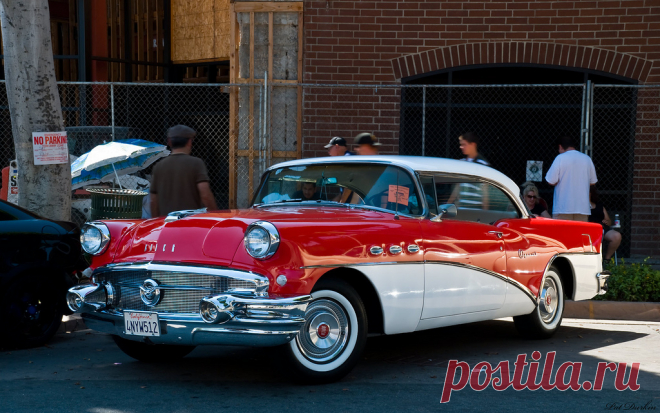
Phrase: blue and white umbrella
[106,162]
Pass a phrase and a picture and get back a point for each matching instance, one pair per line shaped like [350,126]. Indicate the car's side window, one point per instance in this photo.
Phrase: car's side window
[475,201]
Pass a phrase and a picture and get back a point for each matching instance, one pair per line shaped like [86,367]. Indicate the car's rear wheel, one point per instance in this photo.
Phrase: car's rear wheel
[31,311]
[332,338]
[150,353]
[546,318]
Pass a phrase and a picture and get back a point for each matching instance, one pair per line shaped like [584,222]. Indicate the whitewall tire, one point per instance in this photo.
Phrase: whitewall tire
[332,338]
[546,318]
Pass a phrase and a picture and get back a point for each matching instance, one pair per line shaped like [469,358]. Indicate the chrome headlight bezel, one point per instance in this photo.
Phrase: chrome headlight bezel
[104,237]
[273,239]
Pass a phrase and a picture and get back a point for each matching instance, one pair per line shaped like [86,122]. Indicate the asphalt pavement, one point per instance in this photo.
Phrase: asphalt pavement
[83,371]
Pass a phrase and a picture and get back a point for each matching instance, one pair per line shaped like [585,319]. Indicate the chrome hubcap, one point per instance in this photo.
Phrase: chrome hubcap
[324,335]
[549,300]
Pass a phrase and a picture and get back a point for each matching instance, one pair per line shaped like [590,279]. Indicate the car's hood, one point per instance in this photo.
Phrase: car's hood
[212,238]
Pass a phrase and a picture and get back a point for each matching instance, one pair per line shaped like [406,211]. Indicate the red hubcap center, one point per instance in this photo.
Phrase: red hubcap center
[323,330]
[548,300]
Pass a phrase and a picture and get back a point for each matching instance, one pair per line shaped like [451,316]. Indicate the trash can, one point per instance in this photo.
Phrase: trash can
[112,203]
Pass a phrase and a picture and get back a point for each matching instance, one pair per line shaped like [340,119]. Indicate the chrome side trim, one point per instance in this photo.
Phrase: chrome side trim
[361,264]
[591,244]
[412,248]
[511,281]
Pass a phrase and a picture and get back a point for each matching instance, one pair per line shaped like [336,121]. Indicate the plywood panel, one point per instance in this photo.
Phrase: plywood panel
[200,30]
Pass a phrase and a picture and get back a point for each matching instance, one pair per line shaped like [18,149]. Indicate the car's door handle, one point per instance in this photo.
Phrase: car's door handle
[498,234]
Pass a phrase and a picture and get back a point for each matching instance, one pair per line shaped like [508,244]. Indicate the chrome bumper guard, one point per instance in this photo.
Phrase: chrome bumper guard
[602,277]
[224,319]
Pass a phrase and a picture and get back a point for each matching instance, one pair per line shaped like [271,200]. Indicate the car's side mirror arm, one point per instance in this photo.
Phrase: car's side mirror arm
[447,211]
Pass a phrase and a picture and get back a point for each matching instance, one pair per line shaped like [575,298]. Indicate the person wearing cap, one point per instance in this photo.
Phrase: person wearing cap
[180,181]
[367,144]
[337,147]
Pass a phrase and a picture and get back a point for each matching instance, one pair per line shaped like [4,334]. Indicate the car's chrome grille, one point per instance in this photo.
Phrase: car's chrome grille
[184,300]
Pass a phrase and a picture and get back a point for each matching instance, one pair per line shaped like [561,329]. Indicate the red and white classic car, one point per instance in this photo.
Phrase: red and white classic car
[334,249]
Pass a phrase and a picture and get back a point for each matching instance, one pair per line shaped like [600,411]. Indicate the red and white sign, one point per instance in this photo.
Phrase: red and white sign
[12,194]
[50,148]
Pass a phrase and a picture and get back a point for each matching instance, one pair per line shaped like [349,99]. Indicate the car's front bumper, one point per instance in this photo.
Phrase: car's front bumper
[602,277]
[229,318]
[193,330]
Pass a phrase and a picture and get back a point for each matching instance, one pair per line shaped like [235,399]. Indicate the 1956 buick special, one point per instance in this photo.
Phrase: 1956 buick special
[331,250]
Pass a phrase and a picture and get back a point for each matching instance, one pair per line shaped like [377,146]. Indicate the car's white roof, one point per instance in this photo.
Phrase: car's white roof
[420,164]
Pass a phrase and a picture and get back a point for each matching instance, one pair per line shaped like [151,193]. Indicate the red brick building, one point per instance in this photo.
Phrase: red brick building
[348,42]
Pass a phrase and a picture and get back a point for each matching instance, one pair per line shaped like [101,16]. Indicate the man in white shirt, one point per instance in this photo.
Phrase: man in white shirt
[571,173]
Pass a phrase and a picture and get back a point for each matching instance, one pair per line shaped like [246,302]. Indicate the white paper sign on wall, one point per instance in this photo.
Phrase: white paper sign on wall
[534,171]
[50,148]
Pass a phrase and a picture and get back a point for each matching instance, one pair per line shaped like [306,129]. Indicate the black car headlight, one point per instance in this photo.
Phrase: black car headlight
[94,238]
[261,240]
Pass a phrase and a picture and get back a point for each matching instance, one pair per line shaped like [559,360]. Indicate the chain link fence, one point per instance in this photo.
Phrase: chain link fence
[517,124]
[625,125]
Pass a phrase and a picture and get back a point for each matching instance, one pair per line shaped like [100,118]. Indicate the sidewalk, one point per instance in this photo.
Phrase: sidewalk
[612,310]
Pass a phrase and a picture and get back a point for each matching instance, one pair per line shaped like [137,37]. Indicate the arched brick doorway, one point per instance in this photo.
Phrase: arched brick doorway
[519,124]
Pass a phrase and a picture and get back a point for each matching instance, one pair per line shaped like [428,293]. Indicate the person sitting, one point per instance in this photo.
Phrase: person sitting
[307,192]
[539,200]
[599,215]
[531,195]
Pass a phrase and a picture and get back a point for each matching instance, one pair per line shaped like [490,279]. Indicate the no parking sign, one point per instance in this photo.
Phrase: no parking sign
[50,148]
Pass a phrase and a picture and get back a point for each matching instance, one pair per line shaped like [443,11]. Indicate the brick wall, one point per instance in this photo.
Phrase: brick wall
[646,180]
[383,41]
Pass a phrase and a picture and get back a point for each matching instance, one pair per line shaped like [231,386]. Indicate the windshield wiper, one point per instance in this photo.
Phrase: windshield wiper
[282,201]
[316,201]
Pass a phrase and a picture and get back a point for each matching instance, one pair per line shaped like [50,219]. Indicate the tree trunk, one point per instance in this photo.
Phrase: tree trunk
[34,105]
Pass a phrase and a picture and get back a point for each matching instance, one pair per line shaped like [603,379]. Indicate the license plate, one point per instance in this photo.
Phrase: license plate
[138,323]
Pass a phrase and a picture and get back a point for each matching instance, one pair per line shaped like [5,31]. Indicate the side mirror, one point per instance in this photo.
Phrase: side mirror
[446,211]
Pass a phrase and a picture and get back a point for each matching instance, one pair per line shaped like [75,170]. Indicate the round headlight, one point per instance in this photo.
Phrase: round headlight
[261,240]
[94,238]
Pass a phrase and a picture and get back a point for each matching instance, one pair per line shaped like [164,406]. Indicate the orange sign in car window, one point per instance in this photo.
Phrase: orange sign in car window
[398,194]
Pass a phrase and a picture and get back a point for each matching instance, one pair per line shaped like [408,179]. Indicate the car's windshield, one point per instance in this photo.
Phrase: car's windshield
[374,185]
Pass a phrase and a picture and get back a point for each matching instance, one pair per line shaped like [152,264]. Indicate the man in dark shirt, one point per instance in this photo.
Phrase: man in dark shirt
[180,181]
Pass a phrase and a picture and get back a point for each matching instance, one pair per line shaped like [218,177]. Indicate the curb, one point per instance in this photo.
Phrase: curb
[71,323]
[612,310]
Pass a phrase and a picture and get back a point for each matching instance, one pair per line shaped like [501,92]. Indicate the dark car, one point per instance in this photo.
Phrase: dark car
[38,257]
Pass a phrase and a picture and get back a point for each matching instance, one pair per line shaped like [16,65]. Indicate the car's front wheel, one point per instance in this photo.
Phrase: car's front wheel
[546,318]
[332,338]
[150,353]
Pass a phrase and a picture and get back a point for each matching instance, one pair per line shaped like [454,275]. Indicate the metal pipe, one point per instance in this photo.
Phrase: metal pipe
[584,113]
[112,109]
[589,137]
[587,120]
[423,118]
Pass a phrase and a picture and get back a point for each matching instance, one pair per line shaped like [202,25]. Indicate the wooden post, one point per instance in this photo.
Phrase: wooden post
[251,113]
[233,107]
